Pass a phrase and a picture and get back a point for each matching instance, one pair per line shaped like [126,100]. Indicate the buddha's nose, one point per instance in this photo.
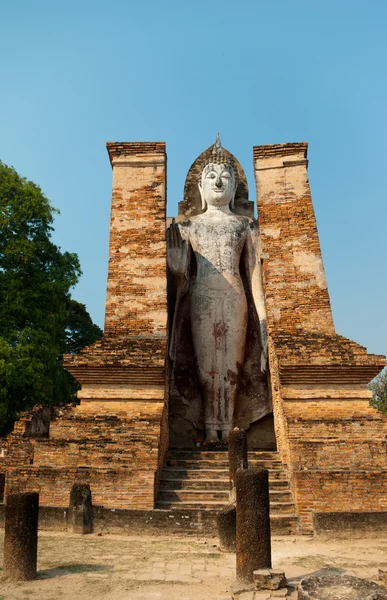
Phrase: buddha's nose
[218,182]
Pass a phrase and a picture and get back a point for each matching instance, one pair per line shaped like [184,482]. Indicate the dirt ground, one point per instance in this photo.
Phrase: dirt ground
[113,567]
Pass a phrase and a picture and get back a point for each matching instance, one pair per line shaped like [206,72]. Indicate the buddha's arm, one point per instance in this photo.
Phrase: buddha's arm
[254,273]
[178,254]
[178,259]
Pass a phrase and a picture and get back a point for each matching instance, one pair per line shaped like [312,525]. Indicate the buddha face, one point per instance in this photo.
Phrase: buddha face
[217,185]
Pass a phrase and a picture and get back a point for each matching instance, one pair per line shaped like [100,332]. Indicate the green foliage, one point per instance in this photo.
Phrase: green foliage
[378,386]
[38,319]
[80,329]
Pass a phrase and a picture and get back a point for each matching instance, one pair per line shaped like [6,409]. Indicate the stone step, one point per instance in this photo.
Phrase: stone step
[221,464]
[176,473]
[167,483]
[198,480]
[276,508]
[213,484]
[222,454]
[204,495]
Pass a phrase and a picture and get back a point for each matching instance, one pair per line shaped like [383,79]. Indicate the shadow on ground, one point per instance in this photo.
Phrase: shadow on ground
[70,570]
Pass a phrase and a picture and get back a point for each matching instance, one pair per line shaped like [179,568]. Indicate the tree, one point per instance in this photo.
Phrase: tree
[37,314]
[80,329]
[378,386]
[80,332]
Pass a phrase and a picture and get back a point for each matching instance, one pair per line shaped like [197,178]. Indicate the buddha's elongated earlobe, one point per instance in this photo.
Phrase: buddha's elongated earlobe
[204,203]
[232,206]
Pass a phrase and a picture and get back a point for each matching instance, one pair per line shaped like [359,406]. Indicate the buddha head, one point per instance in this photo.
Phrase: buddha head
[218,181]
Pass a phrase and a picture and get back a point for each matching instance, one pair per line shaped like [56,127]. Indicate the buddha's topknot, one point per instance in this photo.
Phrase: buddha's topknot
[217,156]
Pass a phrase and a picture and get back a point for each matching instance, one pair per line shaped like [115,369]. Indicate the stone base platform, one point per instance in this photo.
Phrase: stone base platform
[116,447]
[136,522]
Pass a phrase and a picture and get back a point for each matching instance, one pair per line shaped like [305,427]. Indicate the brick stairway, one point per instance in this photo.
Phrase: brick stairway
[196,479]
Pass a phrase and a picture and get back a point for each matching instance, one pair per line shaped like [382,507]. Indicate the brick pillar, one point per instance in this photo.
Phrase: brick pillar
[136,299]
[237,457]
[296,289]
[80,515]
[253,546]
[123,375]
[318,378]
[21,536]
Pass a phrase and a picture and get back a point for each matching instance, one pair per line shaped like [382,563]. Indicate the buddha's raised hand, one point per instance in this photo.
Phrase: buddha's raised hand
[177,252]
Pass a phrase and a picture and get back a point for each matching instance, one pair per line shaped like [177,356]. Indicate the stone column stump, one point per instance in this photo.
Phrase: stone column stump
[80,516]
[237,457]
[253,548]
[21,536]
[226,524]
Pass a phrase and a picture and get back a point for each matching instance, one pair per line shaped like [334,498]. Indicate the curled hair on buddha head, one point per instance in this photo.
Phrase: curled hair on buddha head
[218,157]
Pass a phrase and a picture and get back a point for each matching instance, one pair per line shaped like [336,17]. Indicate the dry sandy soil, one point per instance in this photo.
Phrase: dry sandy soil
[113,567]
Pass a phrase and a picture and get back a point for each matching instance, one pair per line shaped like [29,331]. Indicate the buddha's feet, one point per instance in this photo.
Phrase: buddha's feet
[211,437]
[226,432]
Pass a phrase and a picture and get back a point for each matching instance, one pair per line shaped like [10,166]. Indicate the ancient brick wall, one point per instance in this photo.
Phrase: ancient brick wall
[116,439]
[111,488]
[113,446]
[280,423]
[338,451]
[295,283]
[332,442]
[136,300]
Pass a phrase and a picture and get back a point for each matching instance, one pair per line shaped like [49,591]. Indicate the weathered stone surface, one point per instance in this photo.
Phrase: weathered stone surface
[237,457]
[262,579]
[253,548]
[278,579]
[226,524]
[269,579]
[239,588]
[21,536]
[339,587]
[246,596]
[280,593]
[382,575]
[339,525]
[80,514]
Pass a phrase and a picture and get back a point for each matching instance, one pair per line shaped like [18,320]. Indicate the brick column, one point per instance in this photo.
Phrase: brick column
[296,289]
[136,300]
[327,434]
[124,399]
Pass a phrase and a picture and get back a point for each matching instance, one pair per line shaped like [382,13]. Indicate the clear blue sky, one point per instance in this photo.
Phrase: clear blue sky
[76,74]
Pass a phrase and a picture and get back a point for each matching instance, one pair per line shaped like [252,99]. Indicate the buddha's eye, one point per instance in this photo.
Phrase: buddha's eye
[211,175]
[226,175]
